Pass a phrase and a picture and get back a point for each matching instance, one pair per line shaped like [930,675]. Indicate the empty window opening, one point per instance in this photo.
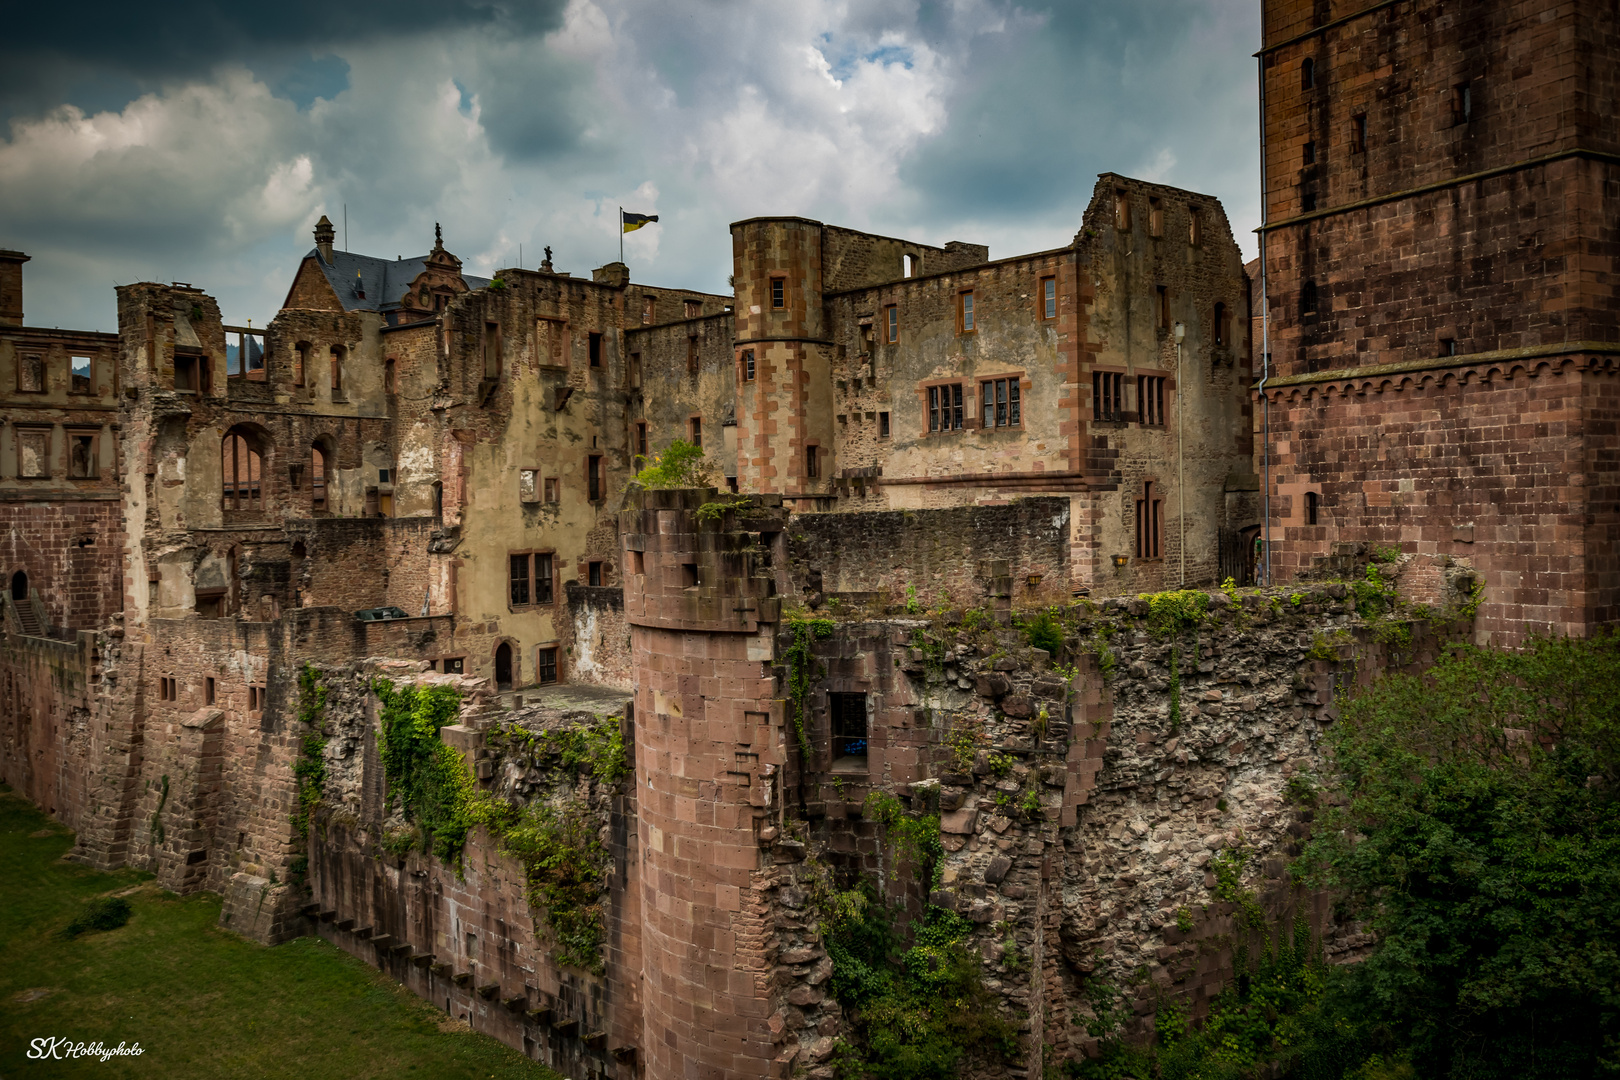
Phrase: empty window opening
[1000,400]
[1309,153]
[168,689]
[689,575]
[641,438]
[595,489]
[1107,395]
[694,309]
[1155,217]
[82,457]
[635,371]
[31,374]
[812,461]
[1122,210]
[1195,226]
[208,690]
[492,350]
[1448,346]
[1462,103]
[747,367]
[33,454]
[891,324]
[1221,332]
[778,292]
[317,478]
[472,946]
[19,586]
[1049,298]
[503,666]
[593,343]
[545,665]
[552,486]
[336,359]
[1162,295]
[649,306]
[1150,400]
[883,425]
[593,573]
[964,312]
[243,490]
[390,376]
[300,362]
[186,373]
[79,368]
[1307,74]
[1307,202]
[945,407]
[638,563]
[1307,298]
[1358,133]
[849,736]
[1148,522]
[1312,503]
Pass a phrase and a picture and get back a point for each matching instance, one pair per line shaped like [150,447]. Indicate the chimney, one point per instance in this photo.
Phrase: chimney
[11,309]
[324,236]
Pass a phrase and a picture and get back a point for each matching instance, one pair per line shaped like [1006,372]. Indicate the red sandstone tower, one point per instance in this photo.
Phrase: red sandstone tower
[1440,269]
[709,739]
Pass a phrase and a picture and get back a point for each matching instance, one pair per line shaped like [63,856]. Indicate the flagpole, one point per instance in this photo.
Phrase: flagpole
[621,234]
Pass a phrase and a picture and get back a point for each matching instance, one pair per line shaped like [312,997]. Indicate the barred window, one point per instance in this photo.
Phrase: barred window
[1107,395]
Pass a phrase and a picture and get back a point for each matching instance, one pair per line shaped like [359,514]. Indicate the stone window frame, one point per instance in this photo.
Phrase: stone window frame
[1163,399]
[812,459]
[544,663]
[891,324]
[966,414]
[596,472]
[560,338]
[44,361]
[1046,308]
[533,556]
[885,428]
[778,292]
[1155,217]
[1149,521]
[94,435]
[1100,378]
[89,385]
[967,313]
[1023,386]
[593,349]
[851,762]
[199,365]
[694,430]
[749,366]
[49,432]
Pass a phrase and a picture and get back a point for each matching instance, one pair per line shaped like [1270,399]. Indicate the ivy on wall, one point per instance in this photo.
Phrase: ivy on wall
[309,770]
[427,776]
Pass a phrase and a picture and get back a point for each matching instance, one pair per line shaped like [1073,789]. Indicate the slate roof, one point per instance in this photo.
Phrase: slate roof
[384,281]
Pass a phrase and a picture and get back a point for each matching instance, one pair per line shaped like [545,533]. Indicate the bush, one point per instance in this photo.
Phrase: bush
[1044,632]
[102,913]
[680,465]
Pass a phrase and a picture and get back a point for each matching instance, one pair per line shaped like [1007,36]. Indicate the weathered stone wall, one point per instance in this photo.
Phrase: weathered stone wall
[688,372]
[597,642]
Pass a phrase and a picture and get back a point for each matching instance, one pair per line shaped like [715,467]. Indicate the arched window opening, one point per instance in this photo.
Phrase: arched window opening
[503,667]
[317,478]
[243,468]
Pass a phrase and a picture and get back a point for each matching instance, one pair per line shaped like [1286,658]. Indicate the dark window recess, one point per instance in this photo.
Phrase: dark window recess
[593,478]
[1107,395]
[1312,501]
[545,665]
[542,579]
[593,573]
[1448,346]
[883,425]
[1000,403]
[1307,202]
[689,575]
[1307,74]
[1307,298]
[594,342]
[1148,522]
[503,666]
[454,665]
[812,462]
[1310,153]
[695,428]
[778,292]
[1462,103]
[1150,399]
[848,725]
[1358,133]
[945,407]
[185,374]
[519,576]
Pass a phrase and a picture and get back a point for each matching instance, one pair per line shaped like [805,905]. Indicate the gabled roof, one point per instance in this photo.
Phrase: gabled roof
[384,281]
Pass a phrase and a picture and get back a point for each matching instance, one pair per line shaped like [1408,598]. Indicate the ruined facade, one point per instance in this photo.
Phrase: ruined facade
[1439,246]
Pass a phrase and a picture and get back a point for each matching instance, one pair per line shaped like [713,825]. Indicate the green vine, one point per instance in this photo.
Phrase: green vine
[309,771]
[1175,684]
[801,665]
[596,748]
[565,868]
[428,777]
[1172,612]
[915,836]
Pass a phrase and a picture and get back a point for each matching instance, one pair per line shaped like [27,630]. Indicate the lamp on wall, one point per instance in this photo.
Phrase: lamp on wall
[1120,561]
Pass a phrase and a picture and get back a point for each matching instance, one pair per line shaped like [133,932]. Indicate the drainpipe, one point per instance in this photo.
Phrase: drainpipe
[1265,337]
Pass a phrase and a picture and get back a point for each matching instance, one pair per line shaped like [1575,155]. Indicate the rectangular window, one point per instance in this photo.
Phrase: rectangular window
[883,425]
[1150,400]
[891,324]
[545,665]
[1307,202]
[519,580]
[1107,395]
[185,374]
[593,573]
[455,665]
[492,350]
[694,309]
[1223,331]
[1312,501]
[1049,298]
[300,360]
[80,367]
[1358,133]
[82,463]
[691,355]
[208,691]
[1155,218]
[594,345]
[1195,227]
[641,438]
[1310,153]
[390,376]
[945,407]
[778,292]
[748,365]
[337,368]
[694,428]
[999,398]
[1462,103]
[964,312]
[648,306]
[848,725]
[542,578]
[1448,346]
[551,489]
[812,461]
[1148,522]
[1122,210]
[635,371]
[31,374]
[595,489]
[33,454]
[1164,306]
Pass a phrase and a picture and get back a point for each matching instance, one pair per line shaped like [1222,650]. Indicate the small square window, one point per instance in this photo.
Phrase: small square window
[694,309]
[455,665]
[185,374]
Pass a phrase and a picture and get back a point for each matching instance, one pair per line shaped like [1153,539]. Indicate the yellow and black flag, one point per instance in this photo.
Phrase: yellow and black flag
[632,222]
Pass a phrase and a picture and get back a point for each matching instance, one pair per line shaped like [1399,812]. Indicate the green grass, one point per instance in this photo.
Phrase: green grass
[200,1001]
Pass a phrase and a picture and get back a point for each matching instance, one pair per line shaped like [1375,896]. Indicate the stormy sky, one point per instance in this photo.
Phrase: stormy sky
[200,141]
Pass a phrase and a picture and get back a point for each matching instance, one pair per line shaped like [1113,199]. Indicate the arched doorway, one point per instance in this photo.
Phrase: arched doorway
[503,667]
[19,586]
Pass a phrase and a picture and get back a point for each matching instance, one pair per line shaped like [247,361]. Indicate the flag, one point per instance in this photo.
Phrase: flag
[632,222]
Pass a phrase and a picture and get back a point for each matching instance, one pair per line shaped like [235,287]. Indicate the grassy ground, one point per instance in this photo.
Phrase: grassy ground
[200,1001]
